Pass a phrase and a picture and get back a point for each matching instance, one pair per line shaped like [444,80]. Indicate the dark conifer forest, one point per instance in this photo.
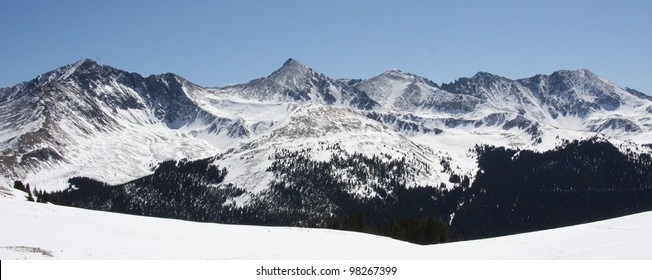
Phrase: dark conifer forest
[579,182]
[514,191]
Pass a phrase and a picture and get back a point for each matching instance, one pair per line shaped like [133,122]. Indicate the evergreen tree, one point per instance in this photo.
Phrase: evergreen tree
[19,186]
[29,193]
[359,222]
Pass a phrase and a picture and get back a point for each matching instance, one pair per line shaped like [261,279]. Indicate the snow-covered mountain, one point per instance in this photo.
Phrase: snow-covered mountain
[405,92]
[321,131]
[372,138]
[576,100]
[392,154]
[295,82]
[94,120]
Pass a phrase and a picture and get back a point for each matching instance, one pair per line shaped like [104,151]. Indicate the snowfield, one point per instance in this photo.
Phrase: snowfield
[44,231]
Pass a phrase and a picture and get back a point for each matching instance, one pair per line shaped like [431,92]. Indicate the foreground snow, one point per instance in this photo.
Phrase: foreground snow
[39,231]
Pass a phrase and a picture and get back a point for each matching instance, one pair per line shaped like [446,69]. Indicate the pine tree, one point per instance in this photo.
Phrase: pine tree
[29,193]
[19,186]
[358,221]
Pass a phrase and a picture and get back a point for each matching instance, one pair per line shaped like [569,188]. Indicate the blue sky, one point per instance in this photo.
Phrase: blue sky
[216,43]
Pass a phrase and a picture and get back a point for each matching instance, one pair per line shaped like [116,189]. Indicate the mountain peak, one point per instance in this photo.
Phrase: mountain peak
[290,72]
[294,65]
[582,72]
[398,74]
[85,63]
[292,62]
[394,71]
[81,66]
[486,75]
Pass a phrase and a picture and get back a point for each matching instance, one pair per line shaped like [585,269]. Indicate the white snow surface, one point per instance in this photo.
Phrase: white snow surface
[273,118]
[313,128]
[44,231]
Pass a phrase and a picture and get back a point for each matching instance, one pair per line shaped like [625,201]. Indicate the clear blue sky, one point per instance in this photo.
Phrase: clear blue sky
[216,43]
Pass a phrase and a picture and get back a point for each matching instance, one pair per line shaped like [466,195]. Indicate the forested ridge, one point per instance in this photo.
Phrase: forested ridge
[514,191]
[578,182]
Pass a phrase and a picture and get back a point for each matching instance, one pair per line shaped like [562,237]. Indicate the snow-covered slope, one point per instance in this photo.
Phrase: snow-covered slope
[321,131]
[295,82]
[40,231]
[87,119]
[576,100]
[405,92]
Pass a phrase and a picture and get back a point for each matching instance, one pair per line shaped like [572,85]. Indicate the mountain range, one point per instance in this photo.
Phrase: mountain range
[371,139]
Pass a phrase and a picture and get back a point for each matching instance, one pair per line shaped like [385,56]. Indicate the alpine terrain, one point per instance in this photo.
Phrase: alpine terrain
[395,154]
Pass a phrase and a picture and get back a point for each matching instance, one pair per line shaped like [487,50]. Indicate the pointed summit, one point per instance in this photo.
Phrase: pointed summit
[86,69]
[83,65]
[86,61]
[292,62]
[291,67]
[292,74]
[295,82]
[79,67]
